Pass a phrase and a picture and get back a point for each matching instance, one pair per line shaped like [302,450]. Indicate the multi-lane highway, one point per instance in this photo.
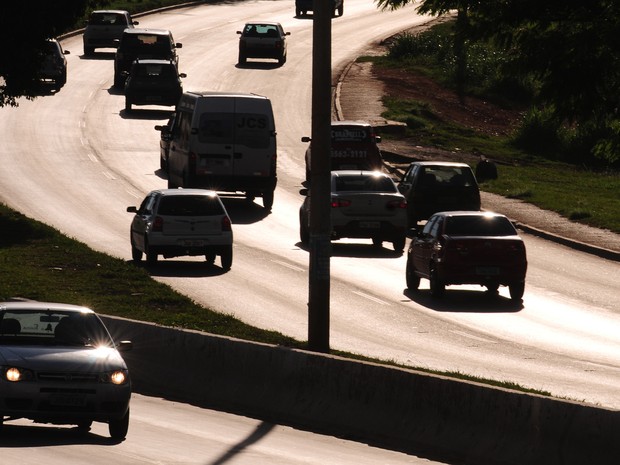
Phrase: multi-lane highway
[75,160]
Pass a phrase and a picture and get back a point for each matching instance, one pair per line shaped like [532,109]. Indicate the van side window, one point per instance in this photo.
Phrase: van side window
[183,128]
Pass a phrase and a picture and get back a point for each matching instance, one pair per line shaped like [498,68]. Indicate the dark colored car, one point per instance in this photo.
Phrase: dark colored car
[104,29]
[164,141]
[59,365]
[303,6]
[143,43]
[262,40]
[53,71]
[353,147]
[153,82]
[464,247]
[431,186]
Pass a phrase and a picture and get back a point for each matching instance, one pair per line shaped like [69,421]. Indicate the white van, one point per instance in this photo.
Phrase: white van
[226,142]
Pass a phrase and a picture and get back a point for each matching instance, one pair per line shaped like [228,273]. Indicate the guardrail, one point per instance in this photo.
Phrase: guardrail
[430,416]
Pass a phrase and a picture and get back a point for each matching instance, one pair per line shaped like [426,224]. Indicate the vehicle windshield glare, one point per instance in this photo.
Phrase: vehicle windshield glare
[479,225]
[53,328]
[364,184]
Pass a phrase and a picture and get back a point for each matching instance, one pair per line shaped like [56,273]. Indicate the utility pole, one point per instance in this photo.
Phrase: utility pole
[320,191]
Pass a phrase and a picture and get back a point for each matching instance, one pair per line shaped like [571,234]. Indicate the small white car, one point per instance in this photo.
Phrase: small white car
[364,204]
[59,365]
[181,222]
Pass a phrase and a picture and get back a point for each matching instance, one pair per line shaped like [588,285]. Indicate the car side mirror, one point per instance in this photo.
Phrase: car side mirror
[287,33]
[124,346]
[178,45]
[377,139]
[306,139]
[304,191]
[132,209]
[183,75]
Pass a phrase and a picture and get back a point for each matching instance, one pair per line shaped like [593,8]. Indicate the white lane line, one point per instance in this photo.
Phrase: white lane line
[471,336]
[288,265]
[92,157]
[370,297]
[108,175]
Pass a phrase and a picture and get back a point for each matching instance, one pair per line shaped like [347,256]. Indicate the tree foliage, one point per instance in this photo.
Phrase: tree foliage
[24,27]
[571,47]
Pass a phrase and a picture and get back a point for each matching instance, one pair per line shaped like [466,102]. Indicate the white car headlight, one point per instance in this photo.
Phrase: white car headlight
[15,374]
[118,377]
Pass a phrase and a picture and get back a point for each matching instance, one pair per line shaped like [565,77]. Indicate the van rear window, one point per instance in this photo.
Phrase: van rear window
[247,129]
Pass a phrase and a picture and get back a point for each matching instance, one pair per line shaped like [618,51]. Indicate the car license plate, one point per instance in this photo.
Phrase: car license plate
[68,400]
[370,224]
[487,270]
[193,243]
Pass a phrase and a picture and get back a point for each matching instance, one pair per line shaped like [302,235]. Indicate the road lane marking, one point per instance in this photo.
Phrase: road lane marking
[288,265]
[471,336]
[370,297]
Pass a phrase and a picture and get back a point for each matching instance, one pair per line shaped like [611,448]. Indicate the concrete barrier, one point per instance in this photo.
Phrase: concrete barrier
[431,416]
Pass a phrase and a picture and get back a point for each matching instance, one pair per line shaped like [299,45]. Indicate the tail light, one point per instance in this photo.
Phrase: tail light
[396,204]
[158,224]
[226,226]
[340,203]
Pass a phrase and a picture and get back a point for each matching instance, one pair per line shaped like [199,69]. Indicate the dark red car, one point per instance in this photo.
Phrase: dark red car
[465,247]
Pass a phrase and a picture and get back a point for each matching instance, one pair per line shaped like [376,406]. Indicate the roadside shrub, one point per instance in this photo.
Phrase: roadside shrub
[541,133]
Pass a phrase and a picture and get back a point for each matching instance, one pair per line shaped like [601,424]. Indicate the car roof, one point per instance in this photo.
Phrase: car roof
[439,163]
[154,61]
[337,173]
[144,30]
[350,123]
[215,93]
[264,23]
[121,12]
[36,305]
[469,213]
[168,192]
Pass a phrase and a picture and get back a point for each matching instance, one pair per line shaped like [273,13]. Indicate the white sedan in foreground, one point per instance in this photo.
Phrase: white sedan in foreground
[59,365]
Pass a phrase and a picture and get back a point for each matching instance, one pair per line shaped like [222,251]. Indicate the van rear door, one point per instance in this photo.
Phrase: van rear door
[216,137]
[254,148]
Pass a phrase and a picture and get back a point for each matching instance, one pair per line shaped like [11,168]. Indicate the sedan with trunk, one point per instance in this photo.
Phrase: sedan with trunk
[464,247]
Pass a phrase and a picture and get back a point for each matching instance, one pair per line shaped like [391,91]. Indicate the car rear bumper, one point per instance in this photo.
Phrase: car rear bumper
[481,273]
[367,229]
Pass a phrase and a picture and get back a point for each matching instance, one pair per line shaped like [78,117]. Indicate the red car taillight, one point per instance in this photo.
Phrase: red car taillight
[395,204]
[158,224]
[339,203]
[226,226]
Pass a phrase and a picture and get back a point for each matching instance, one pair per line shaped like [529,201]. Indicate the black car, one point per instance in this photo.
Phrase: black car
[53,71]
[164,141]
[434,186]
[143,43]
[153,82]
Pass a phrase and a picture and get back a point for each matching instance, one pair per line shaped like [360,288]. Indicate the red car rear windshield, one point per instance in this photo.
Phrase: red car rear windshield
[479,226]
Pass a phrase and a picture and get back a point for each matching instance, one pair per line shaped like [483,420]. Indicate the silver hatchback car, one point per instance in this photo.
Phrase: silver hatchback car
[59,365]
[364,204]
[181,222]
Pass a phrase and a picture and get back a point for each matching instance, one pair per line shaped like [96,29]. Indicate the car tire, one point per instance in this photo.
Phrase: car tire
[516,290]
[242,59]
[341,10]
[226,258]
[151,256]
[84,426]
[118,427]
[163,164]
[127,105]
[136,254]
[268,200]
[437,286]
[304,234]
[118,81]
[282,60]
[89,51]
[377,243]
[413,280]
[210,258]
[399,244]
